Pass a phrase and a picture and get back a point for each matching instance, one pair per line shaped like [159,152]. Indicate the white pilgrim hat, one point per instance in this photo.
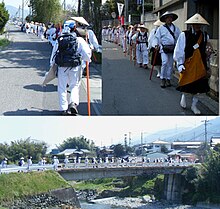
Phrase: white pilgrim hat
[197,19]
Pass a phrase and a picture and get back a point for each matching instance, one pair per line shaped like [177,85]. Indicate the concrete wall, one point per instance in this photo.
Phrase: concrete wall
[172,187]
[67,194]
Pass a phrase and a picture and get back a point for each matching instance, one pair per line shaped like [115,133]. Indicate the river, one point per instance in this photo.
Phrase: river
[131,203]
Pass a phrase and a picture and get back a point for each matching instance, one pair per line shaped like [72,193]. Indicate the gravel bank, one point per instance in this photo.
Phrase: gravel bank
[137,203]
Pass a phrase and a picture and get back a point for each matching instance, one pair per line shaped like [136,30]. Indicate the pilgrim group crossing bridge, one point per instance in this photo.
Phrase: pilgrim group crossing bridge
[82,171]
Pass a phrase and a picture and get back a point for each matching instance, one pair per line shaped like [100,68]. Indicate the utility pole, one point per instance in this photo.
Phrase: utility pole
[141,143]
[64,5]
[205,123]
[125,141]
[143,11]
[126,11]
[129,139]
[22,10]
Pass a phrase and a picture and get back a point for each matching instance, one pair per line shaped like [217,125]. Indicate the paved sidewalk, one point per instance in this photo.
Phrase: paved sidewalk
[95,84]
[127,89]
[23,65]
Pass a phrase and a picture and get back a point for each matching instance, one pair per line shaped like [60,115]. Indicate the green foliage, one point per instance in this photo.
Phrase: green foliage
[159,187]
[23,148]
[16,185]
[77,143]
[4,42]
[4,17]
[119,150]
[99,185]
[202,182]
[164,149]
[129,186]
[46,10]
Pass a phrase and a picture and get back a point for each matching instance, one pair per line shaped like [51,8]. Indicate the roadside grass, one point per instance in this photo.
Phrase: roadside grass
[4,42]
[99,185]
[16,185]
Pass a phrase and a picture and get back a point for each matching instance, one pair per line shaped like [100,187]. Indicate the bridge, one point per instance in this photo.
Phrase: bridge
[172,174]
[82,171]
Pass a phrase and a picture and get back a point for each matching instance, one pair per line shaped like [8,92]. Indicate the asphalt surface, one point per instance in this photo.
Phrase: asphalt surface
[127,89]
[23,65]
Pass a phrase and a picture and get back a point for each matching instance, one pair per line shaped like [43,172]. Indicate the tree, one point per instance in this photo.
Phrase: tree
[77,143]
[119,150]
[46,10]
[203,152]
[4,17]
[23,148]
[164,149]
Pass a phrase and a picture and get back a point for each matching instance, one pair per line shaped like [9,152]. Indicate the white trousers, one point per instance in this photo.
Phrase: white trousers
[167,65]
[142,56]
[72,77]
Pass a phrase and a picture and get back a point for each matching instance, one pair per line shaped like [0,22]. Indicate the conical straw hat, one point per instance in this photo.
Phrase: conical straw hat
[158,23]
[80,20]
[197,19]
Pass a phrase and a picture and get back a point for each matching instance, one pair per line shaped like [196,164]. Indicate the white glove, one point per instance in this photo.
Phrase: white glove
[181,68]
[99,50]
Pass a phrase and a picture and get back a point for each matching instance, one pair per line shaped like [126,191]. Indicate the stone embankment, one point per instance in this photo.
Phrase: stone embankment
[56,199]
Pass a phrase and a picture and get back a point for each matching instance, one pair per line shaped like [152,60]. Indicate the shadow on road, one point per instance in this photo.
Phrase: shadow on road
[34,55]
[37,87]
[82,108]
[26,112]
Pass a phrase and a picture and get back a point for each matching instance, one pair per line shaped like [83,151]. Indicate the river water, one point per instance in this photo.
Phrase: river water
[85,205]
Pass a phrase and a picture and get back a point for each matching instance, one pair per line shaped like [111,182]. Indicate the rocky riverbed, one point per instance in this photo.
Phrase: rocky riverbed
[138,203]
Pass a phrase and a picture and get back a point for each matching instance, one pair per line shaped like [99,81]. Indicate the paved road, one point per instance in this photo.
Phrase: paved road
[127,89]
[22,68]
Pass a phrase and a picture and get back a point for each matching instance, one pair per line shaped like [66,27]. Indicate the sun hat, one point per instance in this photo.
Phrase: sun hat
[142,26]
[158,23]
[166,14]
[197,19]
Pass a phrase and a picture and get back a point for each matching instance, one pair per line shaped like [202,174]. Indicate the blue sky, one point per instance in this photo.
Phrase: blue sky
[102,130]
[16,3]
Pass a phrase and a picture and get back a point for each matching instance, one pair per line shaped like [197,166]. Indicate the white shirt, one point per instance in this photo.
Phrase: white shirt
[83,49]
[164,37]
[179,51]
[92,39]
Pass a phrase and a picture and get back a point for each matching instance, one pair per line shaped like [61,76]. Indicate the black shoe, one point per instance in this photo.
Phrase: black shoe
[168,84]
[163,83]
[145,67]
[64,113]
[73,109]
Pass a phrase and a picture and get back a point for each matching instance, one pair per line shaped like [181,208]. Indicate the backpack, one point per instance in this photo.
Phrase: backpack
[66,55]
[143,39]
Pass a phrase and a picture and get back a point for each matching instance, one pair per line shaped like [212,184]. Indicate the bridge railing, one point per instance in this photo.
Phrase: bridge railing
[61,166]
[26,168]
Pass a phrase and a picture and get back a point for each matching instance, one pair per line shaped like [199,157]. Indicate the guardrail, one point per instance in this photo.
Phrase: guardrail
[80,166]
[26,168]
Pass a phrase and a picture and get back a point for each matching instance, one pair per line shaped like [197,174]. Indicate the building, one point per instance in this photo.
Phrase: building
[186,145]
[183,155]
[214,141]
[158,144]
[156,155]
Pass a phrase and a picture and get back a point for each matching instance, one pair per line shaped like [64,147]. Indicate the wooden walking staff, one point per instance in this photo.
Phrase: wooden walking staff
[154,61]
[87,82]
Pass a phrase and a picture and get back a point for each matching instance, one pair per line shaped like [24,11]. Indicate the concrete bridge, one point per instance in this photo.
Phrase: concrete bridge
[82,171]
[172,175]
